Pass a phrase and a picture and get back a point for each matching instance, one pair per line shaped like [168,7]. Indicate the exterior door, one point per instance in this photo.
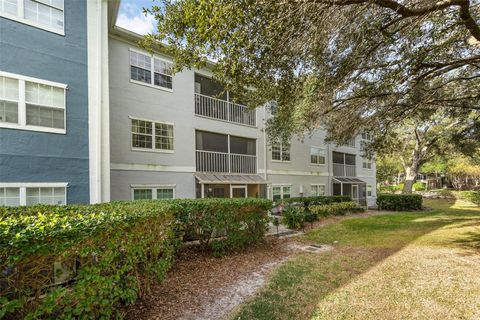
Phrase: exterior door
[238,191]
[355,192]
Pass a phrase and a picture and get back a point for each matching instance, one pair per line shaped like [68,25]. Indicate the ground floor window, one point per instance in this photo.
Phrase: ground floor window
[317,189]
[153,192]
[281,192]
[17,194]
[369,190]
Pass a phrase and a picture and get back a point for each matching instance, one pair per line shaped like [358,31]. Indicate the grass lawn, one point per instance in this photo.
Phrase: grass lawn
[411,265]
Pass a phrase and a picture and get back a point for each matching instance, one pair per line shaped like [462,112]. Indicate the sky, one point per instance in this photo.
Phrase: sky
[131,17]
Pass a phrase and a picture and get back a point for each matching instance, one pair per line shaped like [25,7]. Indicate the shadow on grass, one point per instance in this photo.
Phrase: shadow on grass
[296,287]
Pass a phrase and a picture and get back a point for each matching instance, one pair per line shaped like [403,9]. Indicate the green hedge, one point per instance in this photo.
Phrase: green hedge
[240,221]
[399,202]
[419,186]
[472,196]
[335,209]
[113,251]
[294,217]
[308,201]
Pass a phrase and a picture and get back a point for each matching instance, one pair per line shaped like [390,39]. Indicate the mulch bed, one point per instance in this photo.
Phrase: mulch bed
[197,277]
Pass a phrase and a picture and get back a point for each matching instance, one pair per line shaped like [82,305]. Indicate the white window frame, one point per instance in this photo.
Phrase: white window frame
[22,105]
[366,163]
[324,156]
[154,188]
[20,17]
[316,193]
[282,147]
[367,191]
[282,193]
[366,136]
[152,70]
[24,185]
[351,143]
[153,149]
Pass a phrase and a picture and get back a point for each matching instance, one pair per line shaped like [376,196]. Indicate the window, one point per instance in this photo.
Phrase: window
[367,163]
[281,152]
[367,136]
[8,100]
[45,195]
[9,197]
[165,193]
[15,194]
[45,105]
[317,155]
[350,142]
[369,190]
[44,14]
[156,136]
[31,104]
[153,192]
[142,66]
[281,192]
[317,189]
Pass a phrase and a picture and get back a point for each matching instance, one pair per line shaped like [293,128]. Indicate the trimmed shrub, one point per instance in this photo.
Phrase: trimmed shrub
[398,202]
[293,217]
[308,201]
[472,196]
[86,261]
[335,209]
[419,186]
[112,251]
[240,221]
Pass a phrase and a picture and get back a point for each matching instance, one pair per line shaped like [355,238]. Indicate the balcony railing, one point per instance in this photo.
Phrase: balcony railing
[208,161]
[214,108]
[344,170]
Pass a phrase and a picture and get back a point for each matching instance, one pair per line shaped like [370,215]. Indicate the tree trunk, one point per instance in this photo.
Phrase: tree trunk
[411,173]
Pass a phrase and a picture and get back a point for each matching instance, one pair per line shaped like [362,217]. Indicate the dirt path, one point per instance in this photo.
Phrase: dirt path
[200,286]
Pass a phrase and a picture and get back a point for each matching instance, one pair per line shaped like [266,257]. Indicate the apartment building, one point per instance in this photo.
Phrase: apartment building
[181,136]
[88,116]
[45,137]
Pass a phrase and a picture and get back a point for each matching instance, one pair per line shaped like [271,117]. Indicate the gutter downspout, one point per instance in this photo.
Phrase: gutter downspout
[265,149]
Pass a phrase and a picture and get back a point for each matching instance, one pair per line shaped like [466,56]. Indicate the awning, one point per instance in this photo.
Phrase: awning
[214,178]
[348,180]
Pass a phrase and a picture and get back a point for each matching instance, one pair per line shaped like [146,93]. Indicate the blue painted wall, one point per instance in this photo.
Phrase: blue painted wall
[29,156]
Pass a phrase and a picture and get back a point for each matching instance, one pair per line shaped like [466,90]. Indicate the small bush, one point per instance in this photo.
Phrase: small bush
[388,189]
[419,186]
[399,202]
[335,209]
[293,217]
[472,196]
[241,221]
[308,201]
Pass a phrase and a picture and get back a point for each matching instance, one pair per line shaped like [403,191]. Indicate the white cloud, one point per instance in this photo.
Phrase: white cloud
[140,24]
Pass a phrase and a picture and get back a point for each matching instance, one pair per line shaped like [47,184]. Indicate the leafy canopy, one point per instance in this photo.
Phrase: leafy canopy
[346,65]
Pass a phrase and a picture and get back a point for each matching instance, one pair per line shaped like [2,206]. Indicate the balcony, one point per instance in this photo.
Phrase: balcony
[214,108]
[344,170]
[209,161]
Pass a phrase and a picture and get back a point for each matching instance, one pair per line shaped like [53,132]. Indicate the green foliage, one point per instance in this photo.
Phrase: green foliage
[293,217]
[387,167]
[419,186]
[399,202]
[335,209]
[391,188]
[240,221]
[345,65]
[113,252]
[472,196]
[308,201]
